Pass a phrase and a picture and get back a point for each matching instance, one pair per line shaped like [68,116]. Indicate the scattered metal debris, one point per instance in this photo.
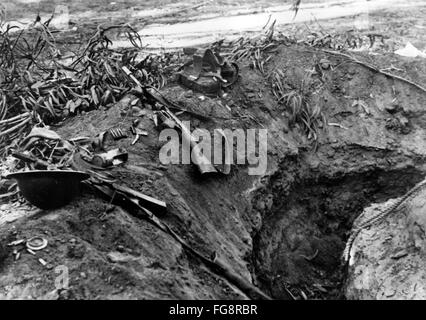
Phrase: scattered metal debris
[325,64]
[400,254]
[332,124]
[16,243]
[203,163]
[38,164]
[42,261]
[36,243]
[208,72]
[117,133]
[136,131]
[138,134]
[111,158]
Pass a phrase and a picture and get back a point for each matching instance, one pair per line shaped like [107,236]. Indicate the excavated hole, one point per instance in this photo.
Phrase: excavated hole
[299,245]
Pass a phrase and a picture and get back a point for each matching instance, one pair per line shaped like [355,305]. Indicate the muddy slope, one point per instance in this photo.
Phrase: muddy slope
[310,202]
[387,259]
[284,231]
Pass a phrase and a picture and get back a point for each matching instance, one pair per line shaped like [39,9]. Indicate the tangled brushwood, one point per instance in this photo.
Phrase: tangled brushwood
[39,85]
[256,50]
[297,103]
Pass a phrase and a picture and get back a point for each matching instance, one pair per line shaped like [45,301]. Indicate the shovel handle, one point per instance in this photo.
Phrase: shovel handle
[30,159]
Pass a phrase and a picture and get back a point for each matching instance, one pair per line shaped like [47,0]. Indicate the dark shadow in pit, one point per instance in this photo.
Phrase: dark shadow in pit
[299,247]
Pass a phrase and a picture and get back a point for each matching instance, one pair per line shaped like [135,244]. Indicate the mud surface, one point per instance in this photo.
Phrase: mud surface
[284,231]
[388,258]
[168,25]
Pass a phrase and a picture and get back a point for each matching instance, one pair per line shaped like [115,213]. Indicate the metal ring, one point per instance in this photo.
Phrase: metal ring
[36,243]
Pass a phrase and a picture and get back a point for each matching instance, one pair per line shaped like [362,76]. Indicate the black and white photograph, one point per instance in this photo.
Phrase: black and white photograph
[212,155]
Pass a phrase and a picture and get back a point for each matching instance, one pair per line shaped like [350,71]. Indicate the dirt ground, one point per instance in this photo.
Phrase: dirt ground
[388,259]
[399,21]
[284,231]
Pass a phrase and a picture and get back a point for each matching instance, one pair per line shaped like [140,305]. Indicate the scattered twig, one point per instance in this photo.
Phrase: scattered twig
[19,125]
[295,7]
[217,266]
[9,194]
[373,68]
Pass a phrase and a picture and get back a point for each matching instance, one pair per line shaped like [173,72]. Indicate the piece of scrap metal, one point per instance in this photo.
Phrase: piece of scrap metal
[16,243]
[117,192]
[208,72]
[36,243]
[139,133]
[111,158]
[144,200]
[117,133]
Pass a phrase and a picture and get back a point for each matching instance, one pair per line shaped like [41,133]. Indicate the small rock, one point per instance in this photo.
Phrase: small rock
[134,102]
[189,94]
[261,205]
[270,202]
[115,256]
[400,254]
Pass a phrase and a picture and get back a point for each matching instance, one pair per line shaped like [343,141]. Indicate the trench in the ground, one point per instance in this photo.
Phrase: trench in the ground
[298,248]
